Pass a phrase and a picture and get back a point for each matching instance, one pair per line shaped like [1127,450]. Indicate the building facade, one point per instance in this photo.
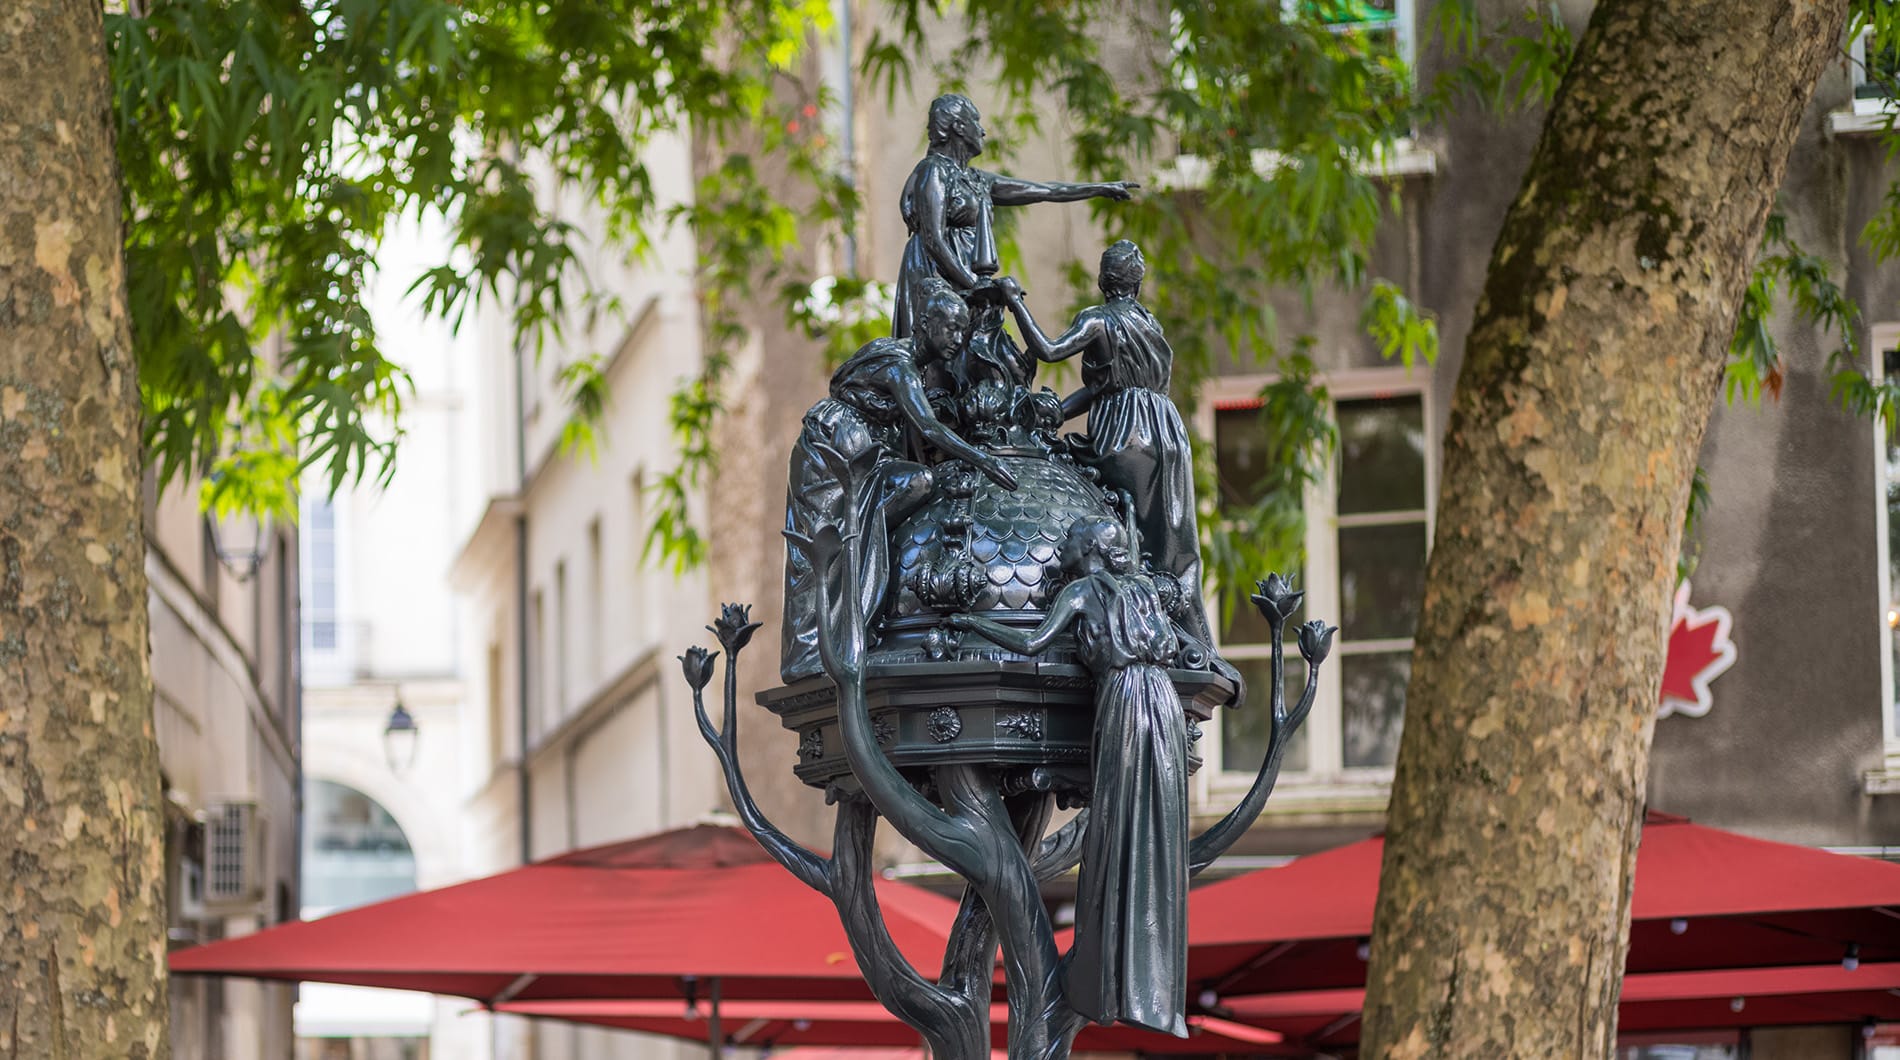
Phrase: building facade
[223,607]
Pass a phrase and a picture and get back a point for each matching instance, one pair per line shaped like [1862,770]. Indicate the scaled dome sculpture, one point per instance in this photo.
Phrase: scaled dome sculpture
[986,619]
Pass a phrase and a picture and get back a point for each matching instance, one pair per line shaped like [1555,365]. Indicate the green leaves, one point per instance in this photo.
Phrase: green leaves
[267,145]
[1249,527]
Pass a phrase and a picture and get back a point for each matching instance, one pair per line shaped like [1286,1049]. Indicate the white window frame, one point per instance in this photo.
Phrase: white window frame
[1857,76]
[335,665]
[1326,777]
[1883,337]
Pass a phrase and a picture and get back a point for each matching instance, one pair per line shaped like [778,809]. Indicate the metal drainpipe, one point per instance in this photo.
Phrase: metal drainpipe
[523,684]
[847,133]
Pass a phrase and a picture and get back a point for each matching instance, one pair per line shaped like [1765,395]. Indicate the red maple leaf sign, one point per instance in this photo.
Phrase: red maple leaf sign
[1699,651]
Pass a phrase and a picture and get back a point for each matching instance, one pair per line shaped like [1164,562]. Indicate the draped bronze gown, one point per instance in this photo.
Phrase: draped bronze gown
[1130,961]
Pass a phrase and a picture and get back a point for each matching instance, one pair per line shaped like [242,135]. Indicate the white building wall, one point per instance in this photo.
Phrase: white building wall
[224,714]
[400,634]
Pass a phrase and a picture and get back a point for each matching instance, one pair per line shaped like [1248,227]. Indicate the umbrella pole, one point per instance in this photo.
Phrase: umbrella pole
[714,1039]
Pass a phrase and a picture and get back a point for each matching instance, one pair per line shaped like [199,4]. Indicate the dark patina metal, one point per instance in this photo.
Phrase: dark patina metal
[984,621]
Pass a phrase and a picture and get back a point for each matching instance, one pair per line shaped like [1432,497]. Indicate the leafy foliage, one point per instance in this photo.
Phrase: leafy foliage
[266,145]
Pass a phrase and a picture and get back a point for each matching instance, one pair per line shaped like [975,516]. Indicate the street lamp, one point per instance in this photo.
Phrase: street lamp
[240,540]
[399,737]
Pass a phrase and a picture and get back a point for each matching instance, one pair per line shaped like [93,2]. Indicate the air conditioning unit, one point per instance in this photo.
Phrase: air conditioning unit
[234,856]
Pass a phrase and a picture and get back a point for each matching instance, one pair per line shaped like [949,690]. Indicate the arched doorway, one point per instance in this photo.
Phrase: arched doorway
[355,853]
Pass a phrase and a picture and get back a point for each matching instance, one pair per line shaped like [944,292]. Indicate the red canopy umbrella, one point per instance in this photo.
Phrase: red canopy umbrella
[668,916]
[868,1025]
[1704,899]
[1681,1002]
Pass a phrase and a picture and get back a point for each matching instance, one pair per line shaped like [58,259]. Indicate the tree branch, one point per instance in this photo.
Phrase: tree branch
[1063,851]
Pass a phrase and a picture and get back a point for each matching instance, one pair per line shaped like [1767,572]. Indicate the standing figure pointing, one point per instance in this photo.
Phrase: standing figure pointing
[947,205]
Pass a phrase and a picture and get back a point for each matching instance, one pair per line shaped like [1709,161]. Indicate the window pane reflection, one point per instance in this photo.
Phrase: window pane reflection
[1244,730]
[1240,454]
[1373,687]
[1381,580]
[1381,455]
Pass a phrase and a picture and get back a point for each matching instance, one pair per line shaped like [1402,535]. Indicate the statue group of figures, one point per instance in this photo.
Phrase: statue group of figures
[951,390]
[986,617]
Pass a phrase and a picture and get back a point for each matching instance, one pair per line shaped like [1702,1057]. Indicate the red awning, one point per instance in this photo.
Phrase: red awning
[1704,899]
[780,1024]
[624,920]
[1683,1002]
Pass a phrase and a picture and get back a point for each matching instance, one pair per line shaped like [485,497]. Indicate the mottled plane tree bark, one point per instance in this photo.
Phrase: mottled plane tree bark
[82,941]
[1593,362]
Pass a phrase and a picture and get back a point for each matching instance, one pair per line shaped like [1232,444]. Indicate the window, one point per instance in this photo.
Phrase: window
[497,706]
[1875,69]
[323,542]
[634,625]
[1385,25]
[596,589]
[537,666]
[562,631]
[320,584]
[1368,529]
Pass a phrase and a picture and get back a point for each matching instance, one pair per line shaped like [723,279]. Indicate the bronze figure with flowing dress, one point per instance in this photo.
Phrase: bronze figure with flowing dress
[1130,959]
[1135,436]
[947,206]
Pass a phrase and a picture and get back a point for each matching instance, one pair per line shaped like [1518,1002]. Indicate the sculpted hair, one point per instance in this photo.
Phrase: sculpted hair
[944,302]
[1105,538]
[1122,268]
[945,111]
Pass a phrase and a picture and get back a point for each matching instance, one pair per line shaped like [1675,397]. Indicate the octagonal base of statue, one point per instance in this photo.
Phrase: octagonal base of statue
[1033,721]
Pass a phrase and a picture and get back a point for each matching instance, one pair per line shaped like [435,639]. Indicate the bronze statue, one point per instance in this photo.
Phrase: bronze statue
[947,207]
[875,396]
[1135,438]
[963,656]
[1131,904]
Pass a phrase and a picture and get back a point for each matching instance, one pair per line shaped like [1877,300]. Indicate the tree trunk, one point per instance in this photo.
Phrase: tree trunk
[82,944]
[1592,365]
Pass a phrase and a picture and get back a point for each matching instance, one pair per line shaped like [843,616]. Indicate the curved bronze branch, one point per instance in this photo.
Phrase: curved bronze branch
[1315,643]
[800,862]
[1062,851]
[970,957]
[956,1025]
[1040,1015]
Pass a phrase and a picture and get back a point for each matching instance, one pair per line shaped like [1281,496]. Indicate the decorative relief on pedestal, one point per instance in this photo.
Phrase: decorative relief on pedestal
[942,643]
[945,725]
[1024,724]
[884,728]
[811,744]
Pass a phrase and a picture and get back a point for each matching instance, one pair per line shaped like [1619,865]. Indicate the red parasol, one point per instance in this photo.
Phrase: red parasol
[673,915]
[1679,1002]
[780,1024]
[1705,899]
